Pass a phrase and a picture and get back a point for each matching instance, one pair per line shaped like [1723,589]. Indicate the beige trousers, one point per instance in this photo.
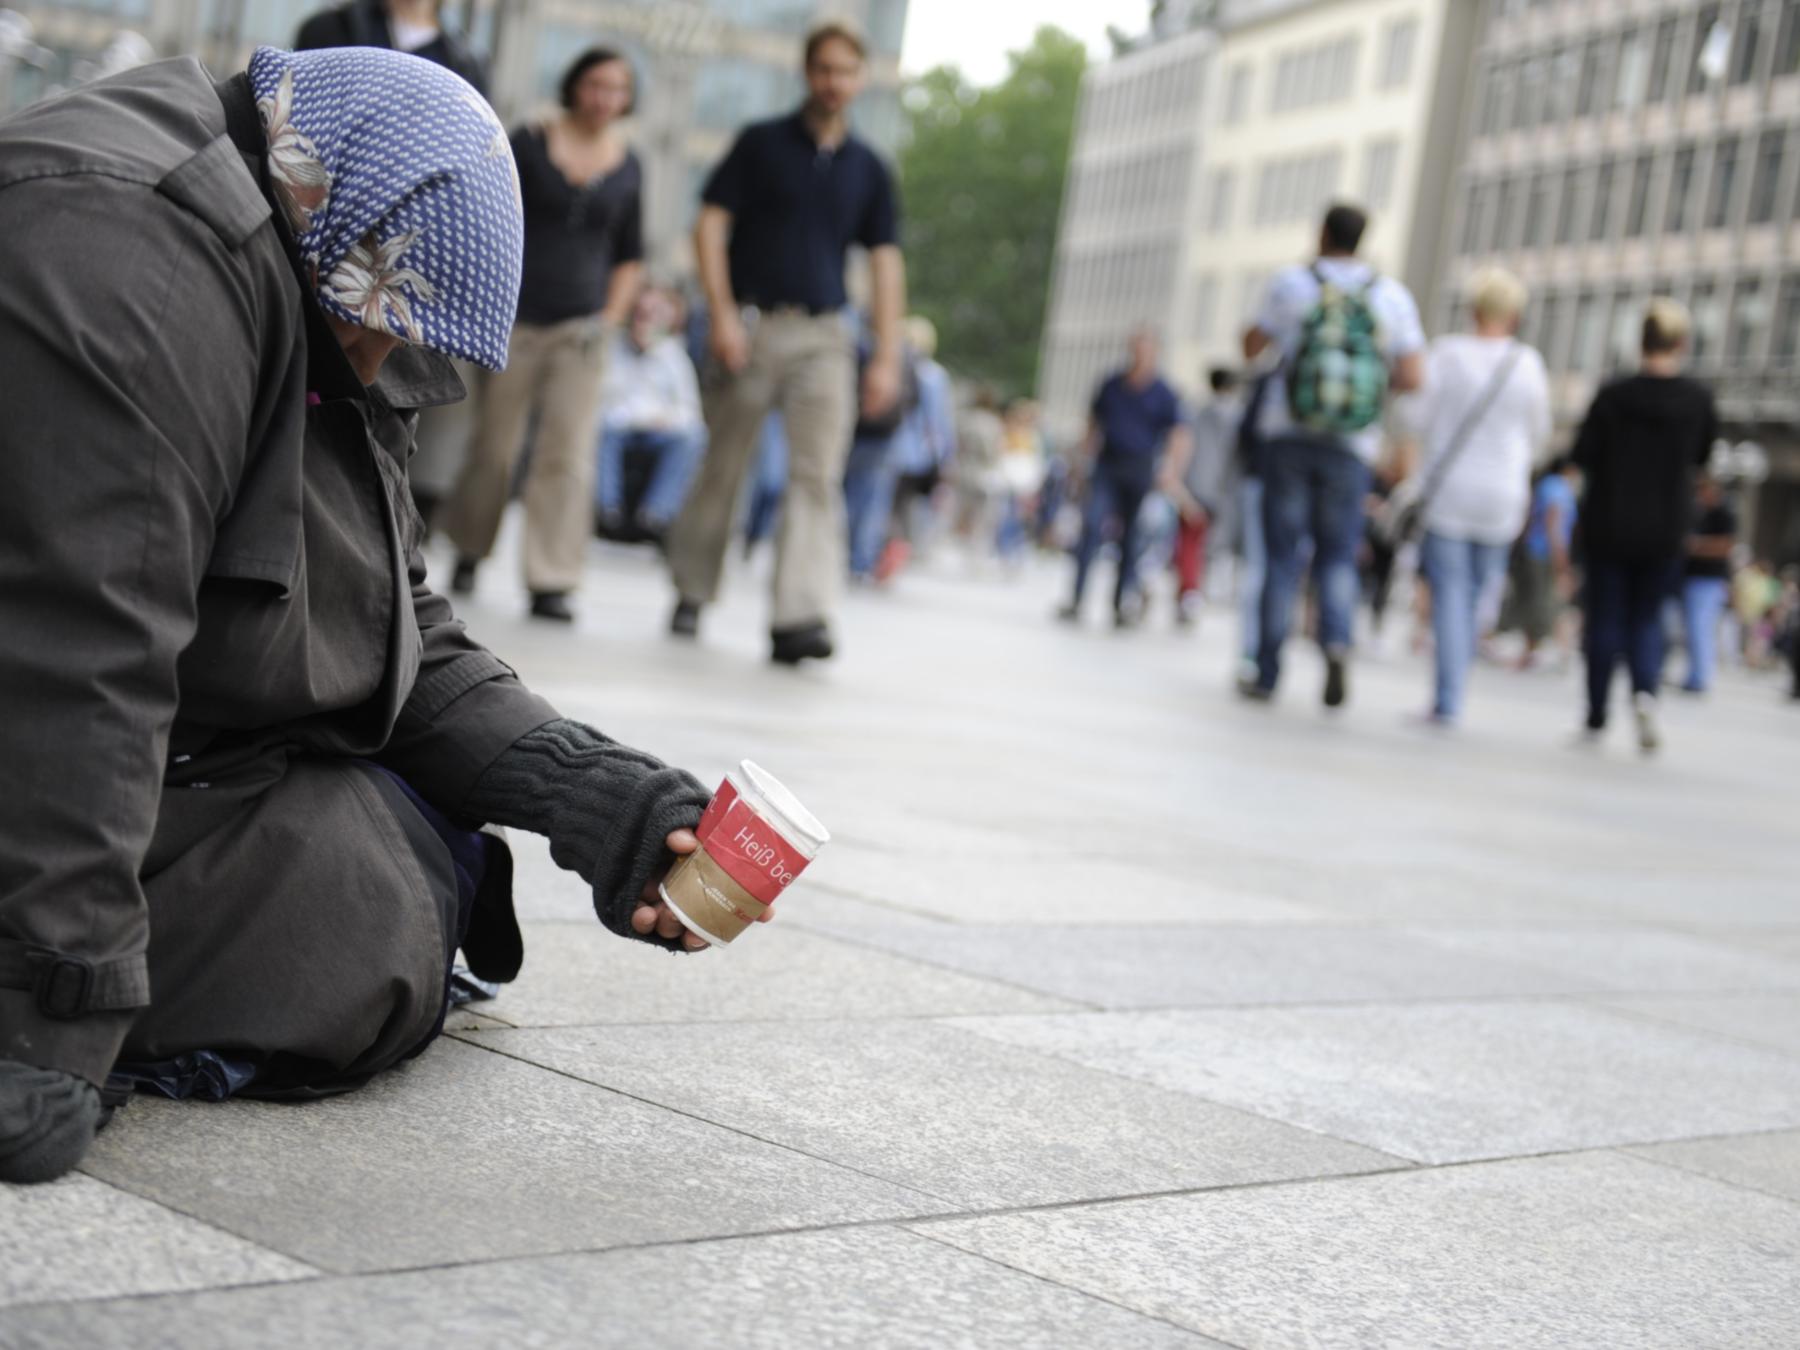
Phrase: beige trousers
[555,370]
[805,366]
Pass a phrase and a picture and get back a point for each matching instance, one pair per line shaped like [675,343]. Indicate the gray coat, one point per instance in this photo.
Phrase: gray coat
[212,603]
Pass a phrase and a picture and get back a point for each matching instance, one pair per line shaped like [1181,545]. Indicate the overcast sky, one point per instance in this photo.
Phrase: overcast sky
[977,34]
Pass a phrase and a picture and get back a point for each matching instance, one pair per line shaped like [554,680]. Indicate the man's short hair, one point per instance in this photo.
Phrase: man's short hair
[1666,326]
[840,30]
[1344,226]
[1223,379]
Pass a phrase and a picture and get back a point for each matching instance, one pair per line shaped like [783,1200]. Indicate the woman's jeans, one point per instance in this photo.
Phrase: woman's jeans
[1460,572]
[1252,567]
[1623,619]
[677,455]
[869,476]
[1702,605]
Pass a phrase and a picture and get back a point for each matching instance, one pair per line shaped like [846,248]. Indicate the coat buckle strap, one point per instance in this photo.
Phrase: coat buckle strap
[68,986]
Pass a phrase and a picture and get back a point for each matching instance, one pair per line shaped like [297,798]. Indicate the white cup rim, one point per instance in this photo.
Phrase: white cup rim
[782,807]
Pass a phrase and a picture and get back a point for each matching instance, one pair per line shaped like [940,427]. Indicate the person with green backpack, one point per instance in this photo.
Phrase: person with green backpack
[1339,339]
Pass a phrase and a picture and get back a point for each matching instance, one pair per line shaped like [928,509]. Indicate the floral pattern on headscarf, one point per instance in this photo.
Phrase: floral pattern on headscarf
[399,186]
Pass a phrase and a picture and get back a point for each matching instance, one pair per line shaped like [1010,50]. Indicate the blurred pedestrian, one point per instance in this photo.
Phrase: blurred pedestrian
[650,409]
[583,191]
[1640,444]
[869,470]
[1198,485]
[1706,582]
[1344,337]
[927,443]
[1544,563]
[1136,428]
[415,27]
[1485,418]
[776,219]
[768,482]
[1020,477]
[980,444]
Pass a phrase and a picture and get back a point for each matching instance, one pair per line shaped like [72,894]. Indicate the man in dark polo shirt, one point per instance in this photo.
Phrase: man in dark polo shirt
[1136,430]
[776,218]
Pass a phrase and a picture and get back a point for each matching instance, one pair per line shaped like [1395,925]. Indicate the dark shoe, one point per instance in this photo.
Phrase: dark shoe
[791,646]
[1337,687]
[1253,690]
[685,621]
[609,524]
[653,530]
[1069,613]
[47,1120]
[552,605]
[462,580]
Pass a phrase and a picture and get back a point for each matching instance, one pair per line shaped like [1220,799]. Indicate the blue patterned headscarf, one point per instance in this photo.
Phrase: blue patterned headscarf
[399,185]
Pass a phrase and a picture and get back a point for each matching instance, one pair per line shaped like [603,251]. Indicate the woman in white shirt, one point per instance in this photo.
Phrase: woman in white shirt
[1485,420]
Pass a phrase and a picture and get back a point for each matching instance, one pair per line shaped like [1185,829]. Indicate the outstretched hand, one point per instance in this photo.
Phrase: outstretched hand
[653,915]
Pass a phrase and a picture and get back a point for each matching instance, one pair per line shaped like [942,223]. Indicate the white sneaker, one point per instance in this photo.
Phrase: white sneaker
[1643,707]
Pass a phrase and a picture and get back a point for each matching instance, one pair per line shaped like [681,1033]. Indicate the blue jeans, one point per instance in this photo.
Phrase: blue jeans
[1113,494]
[1702,604]
[768,482]
[1315,488]
[1623,612]
[869,476]
[1255,565]
[677,456]
[1460,572]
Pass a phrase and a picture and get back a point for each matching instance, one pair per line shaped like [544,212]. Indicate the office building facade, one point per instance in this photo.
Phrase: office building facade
[1619,149]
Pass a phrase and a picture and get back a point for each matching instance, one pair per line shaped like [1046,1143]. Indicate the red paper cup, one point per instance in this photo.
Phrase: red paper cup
[755,838]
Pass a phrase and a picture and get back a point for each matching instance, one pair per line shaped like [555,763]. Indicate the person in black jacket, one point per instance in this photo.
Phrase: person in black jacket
[247,748]
[412,26]
[1639,447]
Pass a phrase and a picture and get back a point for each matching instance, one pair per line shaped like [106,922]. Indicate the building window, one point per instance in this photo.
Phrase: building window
[1566,204]
[1787,44]
[1381,163]
[1633,77]
[1749,319]
[1206,308]
[1505,194]
[1627,331]
[1237,94]
[1746,43]
[1679,215]
[1787,321]
[1537,212]
[1637,207]
[1707,305]
[1662,60]
[1600,215]
[1766,184]
[1588,98]
[1499,94]
[1398,41]
[1724,185]
[1587,343]
[1704,66]
[1475,218]
[1551,331]
[1564,72]
[1313,75]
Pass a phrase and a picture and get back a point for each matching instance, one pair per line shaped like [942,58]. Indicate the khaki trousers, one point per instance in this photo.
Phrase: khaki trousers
[554,370]
[804,365]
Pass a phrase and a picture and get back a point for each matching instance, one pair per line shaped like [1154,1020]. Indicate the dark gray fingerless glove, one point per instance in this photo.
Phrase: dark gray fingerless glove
[604,807]
[47,1120]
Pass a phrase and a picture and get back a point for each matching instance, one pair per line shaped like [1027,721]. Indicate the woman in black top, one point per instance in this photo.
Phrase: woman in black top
[1642,440]
[582,191]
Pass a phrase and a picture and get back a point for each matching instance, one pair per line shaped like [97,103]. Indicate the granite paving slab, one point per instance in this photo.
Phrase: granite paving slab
[1762,1019]
[1634,959]
[1189,966]
[464,1155]
[939,1110]
[1439,1082]
[878,1288]
[1591,1250]
[80,1238]
[1047,887]
[1763,1162]
[580,974]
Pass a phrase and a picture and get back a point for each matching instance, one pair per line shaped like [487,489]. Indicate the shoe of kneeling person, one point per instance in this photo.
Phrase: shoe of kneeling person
[552,605]
[803,642]
[685,621]
[462,580]
[1337,680]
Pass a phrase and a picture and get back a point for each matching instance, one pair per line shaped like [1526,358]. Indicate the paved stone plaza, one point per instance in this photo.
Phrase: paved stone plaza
[1117,1015]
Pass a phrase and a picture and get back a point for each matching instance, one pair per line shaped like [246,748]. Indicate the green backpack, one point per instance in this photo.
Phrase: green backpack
[1338,379]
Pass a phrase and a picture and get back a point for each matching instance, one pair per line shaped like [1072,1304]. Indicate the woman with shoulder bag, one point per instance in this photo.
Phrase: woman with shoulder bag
[1484,421]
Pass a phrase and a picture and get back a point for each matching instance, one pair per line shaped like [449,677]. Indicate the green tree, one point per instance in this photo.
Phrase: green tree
[982,177]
